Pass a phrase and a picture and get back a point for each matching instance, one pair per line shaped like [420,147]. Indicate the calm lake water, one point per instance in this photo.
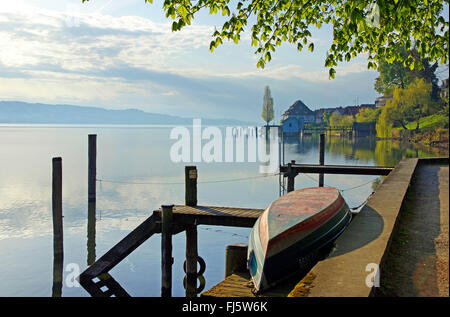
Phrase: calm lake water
[140,155]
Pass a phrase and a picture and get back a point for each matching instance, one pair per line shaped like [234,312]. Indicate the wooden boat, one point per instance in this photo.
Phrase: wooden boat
[292,227]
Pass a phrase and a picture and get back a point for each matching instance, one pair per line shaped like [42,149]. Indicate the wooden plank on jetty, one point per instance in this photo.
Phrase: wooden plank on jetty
[213,215]
[336,169]
[237,285]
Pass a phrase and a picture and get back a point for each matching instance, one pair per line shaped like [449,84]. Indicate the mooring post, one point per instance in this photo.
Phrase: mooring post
[92,167]
[190,173]
[321,157]
[92,179]
[57,205]
[235,258]
[191,232]
[191,260]
[166,250]
[58,248]
[291,177]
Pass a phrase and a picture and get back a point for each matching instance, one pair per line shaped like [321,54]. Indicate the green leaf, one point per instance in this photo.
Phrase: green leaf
[331,73]
[182,11]
[275,22]
[260,63]
[225,11]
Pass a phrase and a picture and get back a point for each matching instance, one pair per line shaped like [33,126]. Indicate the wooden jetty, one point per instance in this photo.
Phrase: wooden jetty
[169,220]
[342,130]
[183,219]
[174,219]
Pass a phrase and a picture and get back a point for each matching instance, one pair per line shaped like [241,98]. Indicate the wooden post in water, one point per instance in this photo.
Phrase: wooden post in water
[321,156]
[166,250]
[291,177]
[92,168]
[92,179]
[235,258]
[191,260]
[190,173]
[58,248]
[191,232]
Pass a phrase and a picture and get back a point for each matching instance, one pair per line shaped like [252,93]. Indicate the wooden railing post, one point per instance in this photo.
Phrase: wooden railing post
[321,157]
[58,248]
[291,177]
[191,260]
[190,173]
[166,250]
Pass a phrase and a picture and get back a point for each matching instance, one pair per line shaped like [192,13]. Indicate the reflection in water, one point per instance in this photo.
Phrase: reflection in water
[367,150]
[58,262]
[91,233]
[58,256]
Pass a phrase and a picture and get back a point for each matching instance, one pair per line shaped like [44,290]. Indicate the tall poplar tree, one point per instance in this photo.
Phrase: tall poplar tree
[267,108]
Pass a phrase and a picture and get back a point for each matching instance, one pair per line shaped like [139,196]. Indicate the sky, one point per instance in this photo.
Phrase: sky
[123,54]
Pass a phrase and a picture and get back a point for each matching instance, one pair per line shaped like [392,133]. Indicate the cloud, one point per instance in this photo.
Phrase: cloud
[95,42]
[292,72]
[128,61]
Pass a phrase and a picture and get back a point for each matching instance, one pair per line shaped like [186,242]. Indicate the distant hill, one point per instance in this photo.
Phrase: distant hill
[22,112]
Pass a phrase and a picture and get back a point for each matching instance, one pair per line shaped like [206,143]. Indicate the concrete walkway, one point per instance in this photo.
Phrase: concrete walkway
[417,262]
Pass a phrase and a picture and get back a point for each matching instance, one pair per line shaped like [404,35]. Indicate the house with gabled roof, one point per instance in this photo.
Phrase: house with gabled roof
[296,116]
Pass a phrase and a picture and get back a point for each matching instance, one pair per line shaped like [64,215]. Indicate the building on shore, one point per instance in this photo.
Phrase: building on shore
[381,101]
[295,117]
[344,111]
[320,112]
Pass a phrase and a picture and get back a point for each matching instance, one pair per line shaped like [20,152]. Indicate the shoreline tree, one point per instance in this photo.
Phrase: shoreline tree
[367,115]
[267,107]
[397,75]
[407,105]
[338,120]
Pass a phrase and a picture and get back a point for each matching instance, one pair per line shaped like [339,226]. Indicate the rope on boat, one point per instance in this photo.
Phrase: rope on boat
[357,207]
